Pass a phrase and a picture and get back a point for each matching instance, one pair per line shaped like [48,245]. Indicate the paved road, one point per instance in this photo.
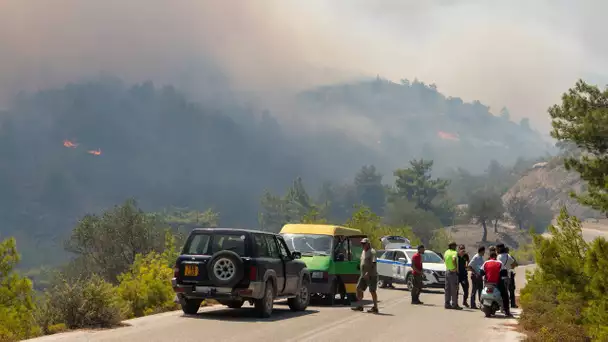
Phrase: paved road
[398,321]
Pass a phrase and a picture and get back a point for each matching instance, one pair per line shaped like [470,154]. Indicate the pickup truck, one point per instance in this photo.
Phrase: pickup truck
[237,265]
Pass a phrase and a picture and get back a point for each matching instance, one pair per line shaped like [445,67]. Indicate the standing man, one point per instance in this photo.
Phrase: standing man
[450,258]
[476,278]
[493,249]
[417,273]
[463,279]
[512,280]
[508,263]
[369,276]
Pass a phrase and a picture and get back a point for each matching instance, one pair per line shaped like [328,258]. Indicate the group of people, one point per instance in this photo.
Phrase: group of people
[497,269]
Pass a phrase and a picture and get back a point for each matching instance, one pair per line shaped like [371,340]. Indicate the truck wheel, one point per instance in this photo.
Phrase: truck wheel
[330,298]
[191,306]
[263,306]
[382,283]
[225,268]
[300,302]
[344,294]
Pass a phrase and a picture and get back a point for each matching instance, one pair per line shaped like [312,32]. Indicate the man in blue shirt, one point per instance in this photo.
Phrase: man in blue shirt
[476,278]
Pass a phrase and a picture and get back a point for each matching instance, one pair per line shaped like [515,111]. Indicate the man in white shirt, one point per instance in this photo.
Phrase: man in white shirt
[508,263]
[512,280]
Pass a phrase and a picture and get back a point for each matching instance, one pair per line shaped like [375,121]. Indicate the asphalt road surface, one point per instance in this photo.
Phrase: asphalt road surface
[398,321]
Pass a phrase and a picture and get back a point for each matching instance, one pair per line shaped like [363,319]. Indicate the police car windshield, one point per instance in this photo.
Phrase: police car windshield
[309,243]
[427,257]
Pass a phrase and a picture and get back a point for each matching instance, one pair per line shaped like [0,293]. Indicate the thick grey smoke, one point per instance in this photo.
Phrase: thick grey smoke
[521,54]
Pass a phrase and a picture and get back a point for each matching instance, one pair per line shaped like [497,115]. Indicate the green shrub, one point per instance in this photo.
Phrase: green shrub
[551,308]
[85,303]
[596,319]
[524,254]
[146,288]
[46,315]
[57,328]
[16,297]
[440,240]
[566,296]
[596,268]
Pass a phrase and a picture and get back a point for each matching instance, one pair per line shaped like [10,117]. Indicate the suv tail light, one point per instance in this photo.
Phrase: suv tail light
[253,273]
[490,290]
[176,270]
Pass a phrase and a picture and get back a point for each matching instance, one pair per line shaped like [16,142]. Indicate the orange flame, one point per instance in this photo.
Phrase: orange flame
[448,136]
[95,152]
[69,144]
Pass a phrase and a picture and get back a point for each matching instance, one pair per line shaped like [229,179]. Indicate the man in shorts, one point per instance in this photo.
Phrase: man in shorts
[369,276]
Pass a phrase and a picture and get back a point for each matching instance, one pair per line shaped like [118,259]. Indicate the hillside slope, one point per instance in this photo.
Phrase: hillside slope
[413,119]
[552,185]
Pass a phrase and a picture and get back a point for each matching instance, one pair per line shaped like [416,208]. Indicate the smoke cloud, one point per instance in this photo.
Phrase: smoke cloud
[519,54]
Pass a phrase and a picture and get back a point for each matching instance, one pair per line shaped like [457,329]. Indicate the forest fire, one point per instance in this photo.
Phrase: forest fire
[95,152]
[448,136]
[69,144]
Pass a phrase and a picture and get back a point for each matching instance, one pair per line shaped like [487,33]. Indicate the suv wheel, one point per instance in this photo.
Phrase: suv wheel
[264,305]
[300,302]
[225,268]
[191,306]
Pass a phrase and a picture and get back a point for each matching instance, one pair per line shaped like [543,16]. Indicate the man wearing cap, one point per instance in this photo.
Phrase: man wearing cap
[450,258]
[417,273]
[369,276]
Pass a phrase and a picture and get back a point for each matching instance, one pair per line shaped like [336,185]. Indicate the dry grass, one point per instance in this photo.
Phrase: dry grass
[470,235]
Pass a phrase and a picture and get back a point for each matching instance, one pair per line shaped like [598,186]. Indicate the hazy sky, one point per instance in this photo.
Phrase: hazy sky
[522,54]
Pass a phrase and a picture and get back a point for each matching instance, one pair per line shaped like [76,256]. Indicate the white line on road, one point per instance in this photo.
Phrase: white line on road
[311,335]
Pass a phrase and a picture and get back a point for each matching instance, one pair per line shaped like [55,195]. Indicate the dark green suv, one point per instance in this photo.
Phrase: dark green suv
[236,265]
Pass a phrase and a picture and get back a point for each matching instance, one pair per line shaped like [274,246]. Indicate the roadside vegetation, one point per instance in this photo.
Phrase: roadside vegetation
[565,298]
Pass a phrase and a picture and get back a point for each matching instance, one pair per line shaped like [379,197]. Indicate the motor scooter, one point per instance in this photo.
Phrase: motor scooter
[491,299]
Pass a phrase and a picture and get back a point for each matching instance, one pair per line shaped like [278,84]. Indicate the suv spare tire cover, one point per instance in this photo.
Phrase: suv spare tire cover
[225,268]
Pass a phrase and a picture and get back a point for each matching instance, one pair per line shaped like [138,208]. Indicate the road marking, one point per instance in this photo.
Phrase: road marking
[311,335]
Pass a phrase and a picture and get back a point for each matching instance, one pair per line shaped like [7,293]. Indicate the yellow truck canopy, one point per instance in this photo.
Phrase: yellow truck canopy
[320,229]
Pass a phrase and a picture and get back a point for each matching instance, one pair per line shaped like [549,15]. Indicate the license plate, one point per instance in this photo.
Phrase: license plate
[190,270]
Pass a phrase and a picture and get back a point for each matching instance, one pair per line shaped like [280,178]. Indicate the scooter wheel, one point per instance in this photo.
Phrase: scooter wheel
[487,311]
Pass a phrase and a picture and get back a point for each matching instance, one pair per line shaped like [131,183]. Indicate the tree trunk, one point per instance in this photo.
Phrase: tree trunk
[484,238]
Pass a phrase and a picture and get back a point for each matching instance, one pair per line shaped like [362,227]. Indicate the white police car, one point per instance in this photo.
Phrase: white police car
[395,266]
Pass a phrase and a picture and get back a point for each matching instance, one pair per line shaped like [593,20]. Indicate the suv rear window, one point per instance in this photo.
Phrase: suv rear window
[207,244]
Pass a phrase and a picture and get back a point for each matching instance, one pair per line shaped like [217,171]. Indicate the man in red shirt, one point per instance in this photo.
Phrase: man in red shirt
[492,272]
[417,276]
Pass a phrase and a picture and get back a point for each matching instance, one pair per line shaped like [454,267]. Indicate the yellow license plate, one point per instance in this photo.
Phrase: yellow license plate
[191,270]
